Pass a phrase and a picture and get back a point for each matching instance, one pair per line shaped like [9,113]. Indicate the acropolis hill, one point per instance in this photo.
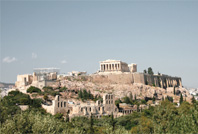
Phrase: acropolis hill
[115,78]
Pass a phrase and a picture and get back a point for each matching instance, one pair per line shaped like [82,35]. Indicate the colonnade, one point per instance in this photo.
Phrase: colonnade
[110,67]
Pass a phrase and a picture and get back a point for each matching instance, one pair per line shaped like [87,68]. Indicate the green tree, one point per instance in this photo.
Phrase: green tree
[174,90]
[90,95]
[169,98]
[127,100]
[153,99]
[33,89]
[143,102]
[131,96]
[162,98]
[150,71]
[113,122]
[117,102]
[59,116]
[193,100]
[145,71]
[85,94]
[181,99]
[67,117]
[80,95]
[91,130]
[45,97]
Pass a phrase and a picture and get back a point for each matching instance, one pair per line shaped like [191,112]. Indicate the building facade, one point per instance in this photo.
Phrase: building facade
[96,109]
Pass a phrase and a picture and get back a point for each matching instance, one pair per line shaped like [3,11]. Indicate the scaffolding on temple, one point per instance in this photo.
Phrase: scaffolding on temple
[46,70]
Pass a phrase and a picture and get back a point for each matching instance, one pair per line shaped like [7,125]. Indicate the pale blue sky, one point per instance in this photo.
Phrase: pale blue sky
[161,35]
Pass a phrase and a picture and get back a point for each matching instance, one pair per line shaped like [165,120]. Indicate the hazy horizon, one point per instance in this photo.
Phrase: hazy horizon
[75,36]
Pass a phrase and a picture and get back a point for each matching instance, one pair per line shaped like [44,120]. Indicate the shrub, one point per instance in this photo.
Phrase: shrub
[33,89]
[13,93]
[50,91]
[36,103]
[24,101]
[45,97]
[63,89]
[59,116]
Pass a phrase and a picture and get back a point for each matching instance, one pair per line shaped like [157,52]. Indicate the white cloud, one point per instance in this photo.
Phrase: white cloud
[34,55]
[63,61]
[9,59]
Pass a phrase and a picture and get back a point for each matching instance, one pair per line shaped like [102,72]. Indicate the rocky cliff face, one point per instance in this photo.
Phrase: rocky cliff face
[121,90]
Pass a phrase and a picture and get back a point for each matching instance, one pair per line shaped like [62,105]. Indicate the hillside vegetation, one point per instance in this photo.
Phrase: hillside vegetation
[165,118]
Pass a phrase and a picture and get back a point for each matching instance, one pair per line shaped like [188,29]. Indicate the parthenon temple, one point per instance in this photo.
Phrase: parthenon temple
[116,66]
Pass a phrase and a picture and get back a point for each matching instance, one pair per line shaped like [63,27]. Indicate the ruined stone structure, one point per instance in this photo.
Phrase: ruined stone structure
[127,108]
[116,66]
[98,109]
[44,77]
[24,80]
[116,71]
[59,105]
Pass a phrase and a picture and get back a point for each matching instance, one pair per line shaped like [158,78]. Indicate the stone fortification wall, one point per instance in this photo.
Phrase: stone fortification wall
[124,78]
[161,80]
[138,78]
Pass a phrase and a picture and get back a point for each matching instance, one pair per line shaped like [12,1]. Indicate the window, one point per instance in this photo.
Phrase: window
[89,109]
[106,102]
[99,108]
[58,104]
[64,104]
[111,102]
[61,104]
[81,109]
[58,98]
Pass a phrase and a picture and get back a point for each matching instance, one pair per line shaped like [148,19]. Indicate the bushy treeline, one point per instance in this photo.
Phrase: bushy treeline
[33,89]
[9,104]
[165,118]
[84,95]
[131,100]
[45,91]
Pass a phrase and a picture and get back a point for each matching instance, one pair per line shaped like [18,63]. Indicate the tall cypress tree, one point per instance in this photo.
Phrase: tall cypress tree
[174,90]
[181,99]
[131,97]
[89,94]
[80,94]
[112,122]
[91,125]
[193,100]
